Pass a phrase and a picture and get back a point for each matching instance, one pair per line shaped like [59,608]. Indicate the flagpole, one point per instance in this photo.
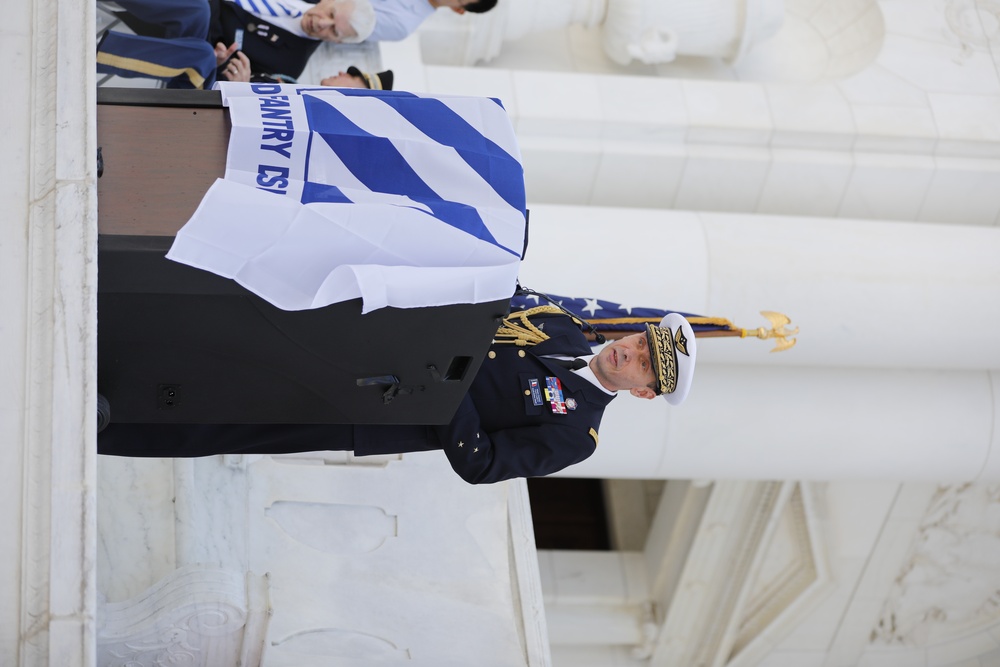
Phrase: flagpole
[613,321]
[712,327]
[617,334]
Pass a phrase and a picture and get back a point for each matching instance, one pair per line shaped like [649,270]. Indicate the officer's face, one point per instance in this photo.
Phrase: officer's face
[625,364]
[328,21]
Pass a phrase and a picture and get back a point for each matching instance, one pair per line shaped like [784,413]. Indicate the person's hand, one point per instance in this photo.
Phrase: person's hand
[222,54]
[238,68]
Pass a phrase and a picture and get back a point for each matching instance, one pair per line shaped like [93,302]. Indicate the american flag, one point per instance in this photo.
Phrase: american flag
[609,317]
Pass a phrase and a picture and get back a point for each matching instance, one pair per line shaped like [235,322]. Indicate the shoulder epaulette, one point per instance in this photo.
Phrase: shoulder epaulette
[517,328]
[537,310]
[547,310]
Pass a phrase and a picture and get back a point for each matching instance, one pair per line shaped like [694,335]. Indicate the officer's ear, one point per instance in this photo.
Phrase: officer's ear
[642,392]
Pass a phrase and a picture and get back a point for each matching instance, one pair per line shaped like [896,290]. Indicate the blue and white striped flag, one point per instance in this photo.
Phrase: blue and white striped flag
[331,194]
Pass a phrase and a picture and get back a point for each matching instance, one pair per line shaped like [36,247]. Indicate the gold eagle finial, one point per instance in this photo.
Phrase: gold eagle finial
[777,331]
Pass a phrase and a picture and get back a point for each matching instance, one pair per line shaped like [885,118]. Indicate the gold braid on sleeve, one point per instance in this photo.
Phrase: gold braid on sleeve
[518,330]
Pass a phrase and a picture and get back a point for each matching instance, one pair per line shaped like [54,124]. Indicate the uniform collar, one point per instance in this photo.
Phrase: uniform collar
[588,372]
[580,380]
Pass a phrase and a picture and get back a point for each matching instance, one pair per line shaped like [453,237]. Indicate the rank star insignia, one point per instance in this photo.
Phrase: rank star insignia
[461,444]
[475,450]
[681,341]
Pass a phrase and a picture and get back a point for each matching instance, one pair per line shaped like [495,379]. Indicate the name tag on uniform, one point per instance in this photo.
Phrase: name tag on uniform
[536,391]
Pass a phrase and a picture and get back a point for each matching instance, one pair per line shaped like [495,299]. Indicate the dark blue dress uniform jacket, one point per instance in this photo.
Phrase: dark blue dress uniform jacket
[497,432]
[269,48]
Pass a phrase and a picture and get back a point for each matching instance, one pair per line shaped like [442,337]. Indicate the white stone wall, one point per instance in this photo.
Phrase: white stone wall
[894,376]
[48,336]
[356,560]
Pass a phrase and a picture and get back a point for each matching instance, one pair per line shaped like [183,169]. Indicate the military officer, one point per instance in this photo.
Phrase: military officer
[534,407]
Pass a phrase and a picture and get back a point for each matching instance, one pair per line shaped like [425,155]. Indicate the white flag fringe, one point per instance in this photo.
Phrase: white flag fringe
[334,194]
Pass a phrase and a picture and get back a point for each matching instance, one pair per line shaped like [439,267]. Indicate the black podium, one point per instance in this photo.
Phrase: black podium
[181,345]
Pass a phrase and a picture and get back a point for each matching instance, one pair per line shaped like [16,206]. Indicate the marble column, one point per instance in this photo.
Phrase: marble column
[48,335]
[890,144]
[657,32]
[595,597]
[894,375]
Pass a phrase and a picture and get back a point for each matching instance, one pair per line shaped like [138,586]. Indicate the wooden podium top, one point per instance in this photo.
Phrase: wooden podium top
[158,160]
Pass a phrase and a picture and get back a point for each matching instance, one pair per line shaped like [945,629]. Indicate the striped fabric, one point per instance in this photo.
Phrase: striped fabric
[272,8]
[285,14]
[402,199]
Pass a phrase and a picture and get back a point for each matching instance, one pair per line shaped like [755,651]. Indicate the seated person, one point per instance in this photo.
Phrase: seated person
[239,68]
[278,37]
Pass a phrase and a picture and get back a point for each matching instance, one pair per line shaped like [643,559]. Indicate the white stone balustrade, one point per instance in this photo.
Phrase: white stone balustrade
[379,558]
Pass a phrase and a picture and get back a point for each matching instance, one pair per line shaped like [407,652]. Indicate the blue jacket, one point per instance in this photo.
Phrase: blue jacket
[498,431]
[269,48]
